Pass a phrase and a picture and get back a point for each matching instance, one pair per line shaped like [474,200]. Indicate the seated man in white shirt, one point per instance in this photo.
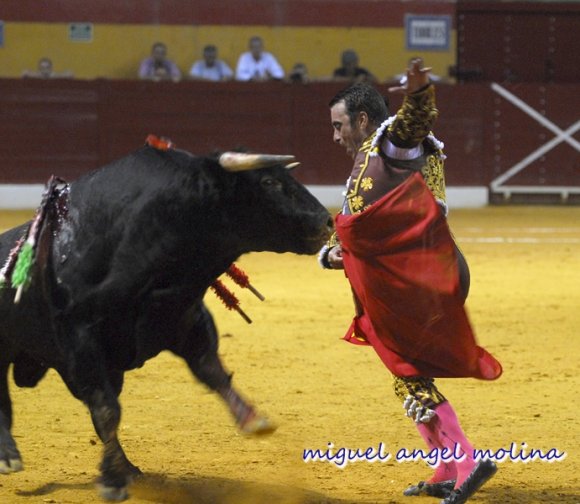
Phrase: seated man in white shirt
[210,67]
[257,64]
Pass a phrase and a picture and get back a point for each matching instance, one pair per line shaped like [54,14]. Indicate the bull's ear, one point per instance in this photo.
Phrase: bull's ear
[240,161]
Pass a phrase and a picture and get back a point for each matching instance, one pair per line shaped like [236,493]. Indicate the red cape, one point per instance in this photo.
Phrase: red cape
[400,260]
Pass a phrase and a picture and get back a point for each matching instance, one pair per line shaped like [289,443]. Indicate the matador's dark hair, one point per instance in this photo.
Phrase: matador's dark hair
[362,97]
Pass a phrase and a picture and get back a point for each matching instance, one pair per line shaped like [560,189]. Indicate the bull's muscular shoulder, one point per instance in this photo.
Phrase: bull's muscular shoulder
[130,222]
[146,178]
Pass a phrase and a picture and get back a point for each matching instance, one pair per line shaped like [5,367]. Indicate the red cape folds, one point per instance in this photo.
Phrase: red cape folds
[400,260]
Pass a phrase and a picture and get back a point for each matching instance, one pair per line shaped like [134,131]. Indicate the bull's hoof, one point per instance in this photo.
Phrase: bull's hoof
[113,493]
[258,426]
[133,471]
[13,465]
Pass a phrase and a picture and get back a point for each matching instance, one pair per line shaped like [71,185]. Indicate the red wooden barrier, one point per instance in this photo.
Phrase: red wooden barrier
[69,127]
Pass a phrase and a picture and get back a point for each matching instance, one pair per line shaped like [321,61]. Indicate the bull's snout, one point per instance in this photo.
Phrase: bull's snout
[328,227]
[320,233]
[325,225]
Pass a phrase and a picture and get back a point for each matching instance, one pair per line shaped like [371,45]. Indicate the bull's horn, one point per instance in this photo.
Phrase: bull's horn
[291,166]
[240,161]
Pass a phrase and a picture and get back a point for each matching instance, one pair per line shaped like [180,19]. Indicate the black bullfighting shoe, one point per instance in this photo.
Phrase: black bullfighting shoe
[483,471]
[439,489]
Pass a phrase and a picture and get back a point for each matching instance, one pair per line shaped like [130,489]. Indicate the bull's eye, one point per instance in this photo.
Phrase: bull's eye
[271,183]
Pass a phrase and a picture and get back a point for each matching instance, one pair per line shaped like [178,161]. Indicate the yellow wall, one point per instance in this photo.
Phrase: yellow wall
[116,50]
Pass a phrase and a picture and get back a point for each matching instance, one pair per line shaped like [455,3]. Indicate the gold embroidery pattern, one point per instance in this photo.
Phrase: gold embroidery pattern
[434,174]
[365,147]
[366,184]
[415,118]
[422,389]
[333,240]
[356,202]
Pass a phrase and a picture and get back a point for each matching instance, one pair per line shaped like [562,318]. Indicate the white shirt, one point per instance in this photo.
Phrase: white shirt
[219,71]
[248,68]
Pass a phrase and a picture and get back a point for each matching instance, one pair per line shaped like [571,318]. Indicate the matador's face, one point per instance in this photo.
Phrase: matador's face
[350,136]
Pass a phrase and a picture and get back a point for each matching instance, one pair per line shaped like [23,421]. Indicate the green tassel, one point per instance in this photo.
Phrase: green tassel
[21,273]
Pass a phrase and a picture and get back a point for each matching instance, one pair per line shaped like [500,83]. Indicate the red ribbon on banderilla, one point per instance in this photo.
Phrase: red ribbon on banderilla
[227,297]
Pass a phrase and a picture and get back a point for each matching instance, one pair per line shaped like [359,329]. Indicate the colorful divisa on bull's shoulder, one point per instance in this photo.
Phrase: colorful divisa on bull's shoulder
[10,263]
[17,269]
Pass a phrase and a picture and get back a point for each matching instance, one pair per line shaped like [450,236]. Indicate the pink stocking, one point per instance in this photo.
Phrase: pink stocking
[444,471]
[450,435]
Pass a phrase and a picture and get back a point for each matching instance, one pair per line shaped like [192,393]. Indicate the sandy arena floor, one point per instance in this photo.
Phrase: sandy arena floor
[525,307]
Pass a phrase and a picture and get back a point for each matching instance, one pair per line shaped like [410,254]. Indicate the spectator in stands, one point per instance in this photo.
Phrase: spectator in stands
[350,71]
[45,70]
[299,74]
[257,64]
[158,67]
[210,67]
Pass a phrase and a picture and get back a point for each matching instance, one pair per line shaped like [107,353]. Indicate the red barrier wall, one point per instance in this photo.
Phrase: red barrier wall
[518,41]
[375,13]
[66,127]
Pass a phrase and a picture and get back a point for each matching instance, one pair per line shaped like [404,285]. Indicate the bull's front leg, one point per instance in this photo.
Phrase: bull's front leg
[245,415]
[198,345]
[10,460]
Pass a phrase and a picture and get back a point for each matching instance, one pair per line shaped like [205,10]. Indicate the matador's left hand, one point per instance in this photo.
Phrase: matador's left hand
[335,257]
[417,78]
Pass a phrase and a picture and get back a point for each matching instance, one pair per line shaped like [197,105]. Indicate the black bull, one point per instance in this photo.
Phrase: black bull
[123,260]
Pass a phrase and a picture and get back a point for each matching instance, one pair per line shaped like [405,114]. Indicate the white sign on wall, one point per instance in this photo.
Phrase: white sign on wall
[80,32]
[427,33]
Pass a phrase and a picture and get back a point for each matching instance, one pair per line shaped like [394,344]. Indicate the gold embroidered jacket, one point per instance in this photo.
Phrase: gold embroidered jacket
[402,145]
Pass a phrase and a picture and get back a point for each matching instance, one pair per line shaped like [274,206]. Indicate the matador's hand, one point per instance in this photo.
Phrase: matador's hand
[417,78]
[335,257]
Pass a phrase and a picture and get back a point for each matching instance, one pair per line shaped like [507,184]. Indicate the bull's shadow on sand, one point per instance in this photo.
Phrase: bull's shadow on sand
[207,490]
[161,489]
